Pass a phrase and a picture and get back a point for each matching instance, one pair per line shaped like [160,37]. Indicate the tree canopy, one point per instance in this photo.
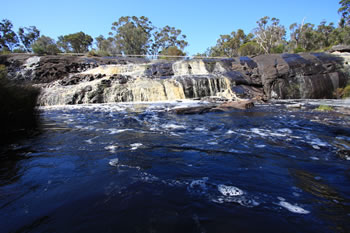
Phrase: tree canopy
[8,38]
[27,36]
[45,45]
[131,35]
[77,42]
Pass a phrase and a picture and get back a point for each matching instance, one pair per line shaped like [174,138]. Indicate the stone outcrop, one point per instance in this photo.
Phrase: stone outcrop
[75,79]
[301,76]
[46,69]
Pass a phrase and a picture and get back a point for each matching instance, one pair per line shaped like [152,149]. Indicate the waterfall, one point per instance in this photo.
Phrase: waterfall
[132,82]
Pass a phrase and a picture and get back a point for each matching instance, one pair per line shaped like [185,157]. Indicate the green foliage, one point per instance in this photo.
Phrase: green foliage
[20,49]
[228,45]
[8,38]
[346,91]
[44,45]
[269,34]
[98,53]
[3,71]
[27,36]
[278,49]
[106,47]
[171,51]
[324,108]
[344,10]
[17,106]
[299,50]
[249,49]
[168,37]
[77,42]
[132,34]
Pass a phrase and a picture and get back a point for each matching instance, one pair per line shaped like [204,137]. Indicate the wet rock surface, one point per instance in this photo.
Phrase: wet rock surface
[275,76]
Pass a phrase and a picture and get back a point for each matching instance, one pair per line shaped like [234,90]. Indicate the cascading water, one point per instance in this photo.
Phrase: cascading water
[191,79]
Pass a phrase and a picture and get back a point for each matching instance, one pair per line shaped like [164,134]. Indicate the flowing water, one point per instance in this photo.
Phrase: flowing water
[142,168]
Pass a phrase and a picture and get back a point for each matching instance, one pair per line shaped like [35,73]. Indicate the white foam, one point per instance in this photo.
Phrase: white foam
[113,162]
[173,126]
[229,190]
[259,146]
[116,131]
[285,130]
[212,143]
[89,141]
[199,183]
[146,177]
[200,129]
[230,132]
[111,148]
[293,208]
[237,151]
[259,132]
[242,200]
[198,186]
[135,146]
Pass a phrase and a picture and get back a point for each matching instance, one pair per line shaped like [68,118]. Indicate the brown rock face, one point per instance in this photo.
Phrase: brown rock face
[301,76]
[279,76]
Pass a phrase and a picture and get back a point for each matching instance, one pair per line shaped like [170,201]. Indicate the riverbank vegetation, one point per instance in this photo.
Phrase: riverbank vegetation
[138,36]
[17,107]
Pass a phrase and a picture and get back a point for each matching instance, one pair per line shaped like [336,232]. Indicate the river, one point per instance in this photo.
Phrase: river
[142,168]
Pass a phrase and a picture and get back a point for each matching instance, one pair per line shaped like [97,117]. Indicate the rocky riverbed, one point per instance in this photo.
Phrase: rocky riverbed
[141,166]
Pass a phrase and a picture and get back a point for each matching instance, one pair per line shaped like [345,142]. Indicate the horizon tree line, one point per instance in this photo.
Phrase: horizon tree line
[138,36]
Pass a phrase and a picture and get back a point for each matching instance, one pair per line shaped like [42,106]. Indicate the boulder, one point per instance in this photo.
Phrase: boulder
[300,76]
[340,48]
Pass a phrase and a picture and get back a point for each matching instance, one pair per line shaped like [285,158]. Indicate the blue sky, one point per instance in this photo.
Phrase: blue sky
[203,21]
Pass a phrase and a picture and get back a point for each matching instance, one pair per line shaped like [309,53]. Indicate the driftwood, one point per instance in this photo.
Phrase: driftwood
[227,106]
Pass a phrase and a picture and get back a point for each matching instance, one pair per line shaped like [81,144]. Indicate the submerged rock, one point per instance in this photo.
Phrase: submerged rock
[227,106]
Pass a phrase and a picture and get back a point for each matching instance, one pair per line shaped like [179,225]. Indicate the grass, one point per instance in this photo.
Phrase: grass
[324,108]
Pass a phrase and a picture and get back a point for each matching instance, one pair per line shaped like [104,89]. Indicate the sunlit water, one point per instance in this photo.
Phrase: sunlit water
[142,168]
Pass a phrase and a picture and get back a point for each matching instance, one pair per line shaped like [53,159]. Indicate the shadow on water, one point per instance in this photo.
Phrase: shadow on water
[331,205]
[10,156]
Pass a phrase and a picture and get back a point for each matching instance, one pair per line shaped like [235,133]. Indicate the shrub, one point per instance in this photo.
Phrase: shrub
[278,49]
[299,50]
[172,53]
[45,46]
[346,91]
[98,53]
[249,49]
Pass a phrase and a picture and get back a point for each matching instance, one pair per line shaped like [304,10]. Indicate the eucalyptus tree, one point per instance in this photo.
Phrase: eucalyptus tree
[269,34]
[344,10]
[8,38]
[168,37]
[132,34]
[229,45]
[45,45]
[77,42]
[27,36]
[106,46]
